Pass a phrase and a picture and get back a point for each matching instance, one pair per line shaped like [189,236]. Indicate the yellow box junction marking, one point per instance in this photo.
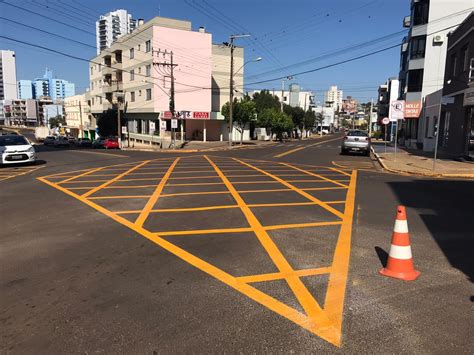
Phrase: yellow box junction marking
[304,147]
[323,320]
[12,172]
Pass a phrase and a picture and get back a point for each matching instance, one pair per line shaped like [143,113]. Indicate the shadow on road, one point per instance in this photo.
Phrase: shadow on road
[383,256]
[447,209]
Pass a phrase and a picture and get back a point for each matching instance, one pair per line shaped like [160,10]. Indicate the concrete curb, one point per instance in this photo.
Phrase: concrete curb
[411,173]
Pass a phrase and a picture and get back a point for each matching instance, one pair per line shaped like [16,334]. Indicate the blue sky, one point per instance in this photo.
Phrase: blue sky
[285,33]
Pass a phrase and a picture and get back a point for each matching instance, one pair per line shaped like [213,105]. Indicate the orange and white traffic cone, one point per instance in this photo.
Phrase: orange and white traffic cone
[400,260]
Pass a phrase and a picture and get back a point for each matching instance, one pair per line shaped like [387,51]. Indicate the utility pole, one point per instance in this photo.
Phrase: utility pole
[81,130]
[231,94]
[170,74]
[370,117]
[119,125]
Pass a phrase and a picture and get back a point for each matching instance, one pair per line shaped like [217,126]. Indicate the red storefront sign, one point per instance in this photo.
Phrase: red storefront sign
[186,115]
[412,109]
[201,115]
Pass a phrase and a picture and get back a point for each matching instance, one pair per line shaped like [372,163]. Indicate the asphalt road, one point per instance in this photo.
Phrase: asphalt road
[273,249]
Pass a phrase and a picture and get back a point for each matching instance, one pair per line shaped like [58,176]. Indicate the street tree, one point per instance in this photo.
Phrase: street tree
[264,100]
[309,120]
[278,122]
[107,123]
[243,113]
[57,121]
[297,116]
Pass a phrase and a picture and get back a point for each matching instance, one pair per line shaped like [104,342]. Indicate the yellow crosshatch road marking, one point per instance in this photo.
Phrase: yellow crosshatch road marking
[12,172]
[323,318]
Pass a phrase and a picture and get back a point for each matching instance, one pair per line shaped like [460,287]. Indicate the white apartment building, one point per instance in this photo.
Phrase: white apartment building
[79,119]
[294,97]
[333,98]
[8,89]
[422,62]
[112,26]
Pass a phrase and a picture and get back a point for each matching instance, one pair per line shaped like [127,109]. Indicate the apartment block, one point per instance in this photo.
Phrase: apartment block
[79,120]
[25,89]
[333,97]
[422,62]
[135,75]
[7,75]
[294,96]
[112,26]
[24,113]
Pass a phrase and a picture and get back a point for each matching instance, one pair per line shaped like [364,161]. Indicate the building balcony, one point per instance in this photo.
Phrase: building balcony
[407,21]
[112,87]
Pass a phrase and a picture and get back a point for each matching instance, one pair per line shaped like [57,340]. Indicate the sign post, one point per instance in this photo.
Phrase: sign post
[396,112]
[385,122]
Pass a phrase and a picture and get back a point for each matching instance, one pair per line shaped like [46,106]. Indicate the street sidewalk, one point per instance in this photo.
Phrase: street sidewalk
[420,163]
[199,146]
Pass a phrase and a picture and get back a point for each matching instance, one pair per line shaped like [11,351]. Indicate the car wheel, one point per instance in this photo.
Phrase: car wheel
[343,152]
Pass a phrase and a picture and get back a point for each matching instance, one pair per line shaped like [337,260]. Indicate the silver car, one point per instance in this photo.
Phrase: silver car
[356,141]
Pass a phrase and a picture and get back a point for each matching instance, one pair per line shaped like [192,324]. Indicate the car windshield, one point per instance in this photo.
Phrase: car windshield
[12,140]
[357,133]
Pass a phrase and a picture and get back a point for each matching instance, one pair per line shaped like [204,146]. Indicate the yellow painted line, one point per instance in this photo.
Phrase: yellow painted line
[313,180]
[279,275]
[115,197]
[304,147]
[334,304]
[155,196]
[82,181]
[190,209]
[204,231]
[113,187]
[107,183]
[289,152]
[211,208]
[315,175]
[100,153]
[20,173]
[193,177]
[309,304]
[341,172]
[198,184]
[298,190]
[196,193]
[301,225]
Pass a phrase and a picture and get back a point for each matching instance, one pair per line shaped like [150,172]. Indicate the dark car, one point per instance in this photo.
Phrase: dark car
[61,141]
[49,140]
[98,143]
[83,142]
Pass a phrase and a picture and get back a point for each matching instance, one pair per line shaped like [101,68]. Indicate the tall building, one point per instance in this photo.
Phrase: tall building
[45,87]
[8,75]
[333,97]
[25,89]
[112,26]
[422,62]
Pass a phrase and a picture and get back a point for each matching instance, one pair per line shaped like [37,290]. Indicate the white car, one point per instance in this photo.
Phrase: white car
[16,149]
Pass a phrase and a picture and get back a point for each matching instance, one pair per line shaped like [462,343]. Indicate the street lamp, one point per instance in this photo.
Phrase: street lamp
[258,59]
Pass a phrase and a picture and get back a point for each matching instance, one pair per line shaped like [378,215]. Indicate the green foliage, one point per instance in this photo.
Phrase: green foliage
[277,121]
[309,120]
[264,100]
[57,121]
[107,123]
[243,113]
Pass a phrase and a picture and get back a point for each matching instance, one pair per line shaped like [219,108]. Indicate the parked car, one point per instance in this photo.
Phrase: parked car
[15,148]
[111,143]
[98,143]
[61,141]
[49,140]
[356,141]
[83,142]
[72,140]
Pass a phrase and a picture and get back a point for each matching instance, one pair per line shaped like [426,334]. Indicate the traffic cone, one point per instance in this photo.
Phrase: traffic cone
[400,260]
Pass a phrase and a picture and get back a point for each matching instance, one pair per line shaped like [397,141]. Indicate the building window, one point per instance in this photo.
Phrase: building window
[132,96]
[148,94]
[92,85]
[139,70]
[420,12]
[417,47]
[92,101]
[415,80]
[148,46]
[132,75]
[148,70]
[132,53]
[139,46]
[100,100]
[464,64]
[92,70]
[139,93]
[454,64]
